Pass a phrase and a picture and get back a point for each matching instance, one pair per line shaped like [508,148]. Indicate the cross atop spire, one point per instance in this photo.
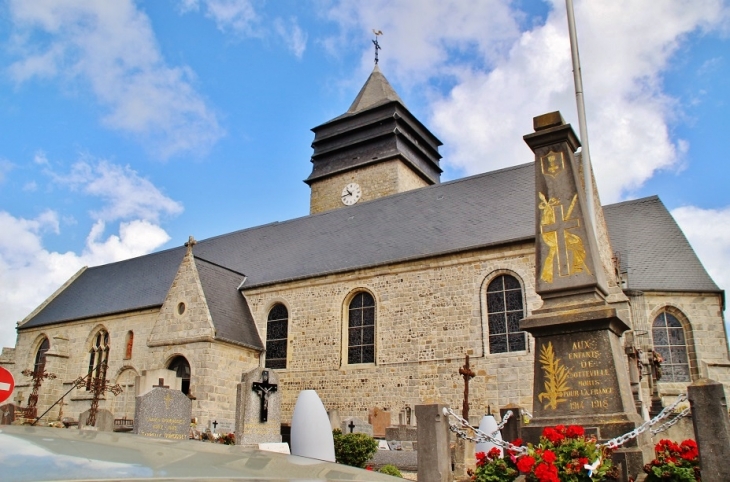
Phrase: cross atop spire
[191,242]
[377,45]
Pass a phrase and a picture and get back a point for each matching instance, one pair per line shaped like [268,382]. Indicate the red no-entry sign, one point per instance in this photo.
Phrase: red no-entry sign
[7,383]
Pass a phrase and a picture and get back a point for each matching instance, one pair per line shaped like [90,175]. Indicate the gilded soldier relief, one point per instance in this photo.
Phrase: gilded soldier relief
[555,378]
[565,248]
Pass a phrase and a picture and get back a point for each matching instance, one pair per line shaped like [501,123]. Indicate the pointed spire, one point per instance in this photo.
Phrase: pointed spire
[377,90]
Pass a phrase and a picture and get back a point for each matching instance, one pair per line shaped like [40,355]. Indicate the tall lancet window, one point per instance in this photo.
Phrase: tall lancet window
[361,329]
[670,342]
[40,357]
[277,332]
[98,358]
[505,309]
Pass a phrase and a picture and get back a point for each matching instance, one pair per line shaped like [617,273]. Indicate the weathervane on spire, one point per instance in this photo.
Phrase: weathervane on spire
[377,45]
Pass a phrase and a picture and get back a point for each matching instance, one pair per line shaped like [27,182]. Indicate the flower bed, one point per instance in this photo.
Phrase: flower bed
[564,454]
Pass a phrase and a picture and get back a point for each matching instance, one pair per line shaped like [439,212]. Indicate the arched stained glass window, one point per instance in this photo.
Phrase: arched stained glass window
[98,358]
[181,367]
[504,311]
[361,329]
[277,332]
[670,342]
[40,357]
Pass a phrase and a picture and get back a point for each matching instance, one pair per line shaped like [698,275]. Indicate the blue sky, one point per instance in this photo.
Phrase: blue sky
[129,125]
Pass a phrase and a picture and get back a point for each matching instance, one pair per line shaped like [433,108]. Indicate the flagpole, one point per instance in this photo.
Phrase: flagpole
[578,81]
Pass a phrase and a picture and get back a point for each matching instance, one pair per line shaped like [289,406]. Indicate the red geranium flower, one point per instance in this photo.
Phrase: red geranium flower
[525,463]
[494,453]
[553,434]
[546,472]
[575,431]
[548,456]
[481,459]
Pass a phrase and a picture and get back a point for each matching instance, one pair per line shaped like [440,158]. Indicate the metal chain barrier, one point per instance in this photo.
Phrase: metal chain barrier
[501,424]
[671,422]
[622,439]
[614,443]
[481,437]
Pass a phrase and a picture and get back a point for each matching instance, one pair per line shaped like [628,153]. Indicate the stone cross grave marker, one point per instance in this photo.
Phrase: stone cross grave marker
[468,374]
[163,413]
[258,408]
[356,425]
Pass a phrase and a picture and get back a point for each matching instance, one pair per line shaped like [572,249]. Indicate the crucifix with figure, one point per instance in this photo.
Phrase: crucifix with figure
[264,389]
[468,374]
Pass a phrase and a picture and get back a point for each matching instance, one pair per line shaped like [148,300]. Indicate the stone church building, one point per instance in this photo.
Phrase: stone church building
[375,298]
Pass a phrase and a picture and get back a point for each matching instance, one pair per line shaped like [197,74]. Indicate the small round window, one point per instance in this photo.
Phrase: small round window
[180,308]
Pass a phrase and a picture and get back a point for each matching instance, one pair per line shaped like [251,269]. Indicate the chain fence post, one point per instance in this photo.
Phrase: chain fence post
[434,454]
[712,427]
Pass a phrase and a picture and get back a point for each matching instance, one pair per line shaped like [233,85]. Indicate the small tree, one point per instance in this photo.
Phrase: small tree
[354,449]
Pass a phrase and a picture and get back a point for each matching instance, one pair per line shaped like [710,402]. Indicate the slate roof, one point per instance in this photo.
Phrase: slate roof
[229,310]
[129,285]
[653,249]
[491,209]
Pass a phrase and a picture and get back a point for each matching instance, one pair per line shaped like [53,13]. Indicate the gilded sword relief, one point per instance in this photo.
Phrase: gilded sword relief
[566,249]
[555,375]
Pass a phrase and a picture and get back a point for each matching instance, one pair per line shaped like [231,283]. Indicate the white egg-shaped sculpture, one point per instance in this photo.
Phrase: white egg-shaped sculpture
[488,425]
[311,433]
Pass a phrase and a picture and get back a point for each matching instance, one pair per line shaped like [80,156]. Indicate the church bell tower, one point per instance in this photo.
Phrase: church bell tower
[375,149]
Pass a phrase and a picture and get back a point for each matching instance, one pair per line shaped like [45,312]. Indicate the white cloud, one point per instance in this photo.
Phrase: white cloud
[111,48]
[625,48]
[238,16]
[125,197]
[125,193]
[23,257]
[294,37]
[418,37]
[708,231]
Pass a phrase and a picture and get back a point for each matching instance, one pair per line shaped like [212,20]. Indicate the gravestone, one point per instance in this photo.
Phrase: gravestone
[163,413]
[7,414]
[104,420]
[380,420]
[334,417]
[149,379]
[401,432]
[258,408]
[580,374]
[356,425]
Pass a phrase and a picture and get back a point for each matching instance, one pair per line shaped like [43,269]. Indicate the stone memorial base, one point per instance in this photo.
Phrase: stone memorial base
[581,378]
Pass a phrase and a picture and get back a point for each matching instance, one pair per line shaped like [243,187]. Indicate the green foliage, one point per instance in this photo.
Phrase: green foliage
[353,449]
[390,470]
[492,468]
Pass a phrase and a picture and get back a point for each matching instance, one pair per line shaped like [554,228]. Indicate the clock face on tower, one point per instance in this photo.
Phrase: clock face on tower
[351,194]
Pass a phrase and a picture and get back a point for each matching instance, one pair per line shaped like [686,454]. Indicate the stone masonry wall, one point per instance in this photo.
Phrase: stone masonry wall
[376,180]
[707,336]
[215,367]
[429,314]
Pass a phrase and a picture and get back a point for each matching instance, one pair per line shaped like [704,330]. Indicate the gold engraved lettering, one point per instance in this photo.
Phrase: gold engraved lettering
[565,248]
[556,377]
